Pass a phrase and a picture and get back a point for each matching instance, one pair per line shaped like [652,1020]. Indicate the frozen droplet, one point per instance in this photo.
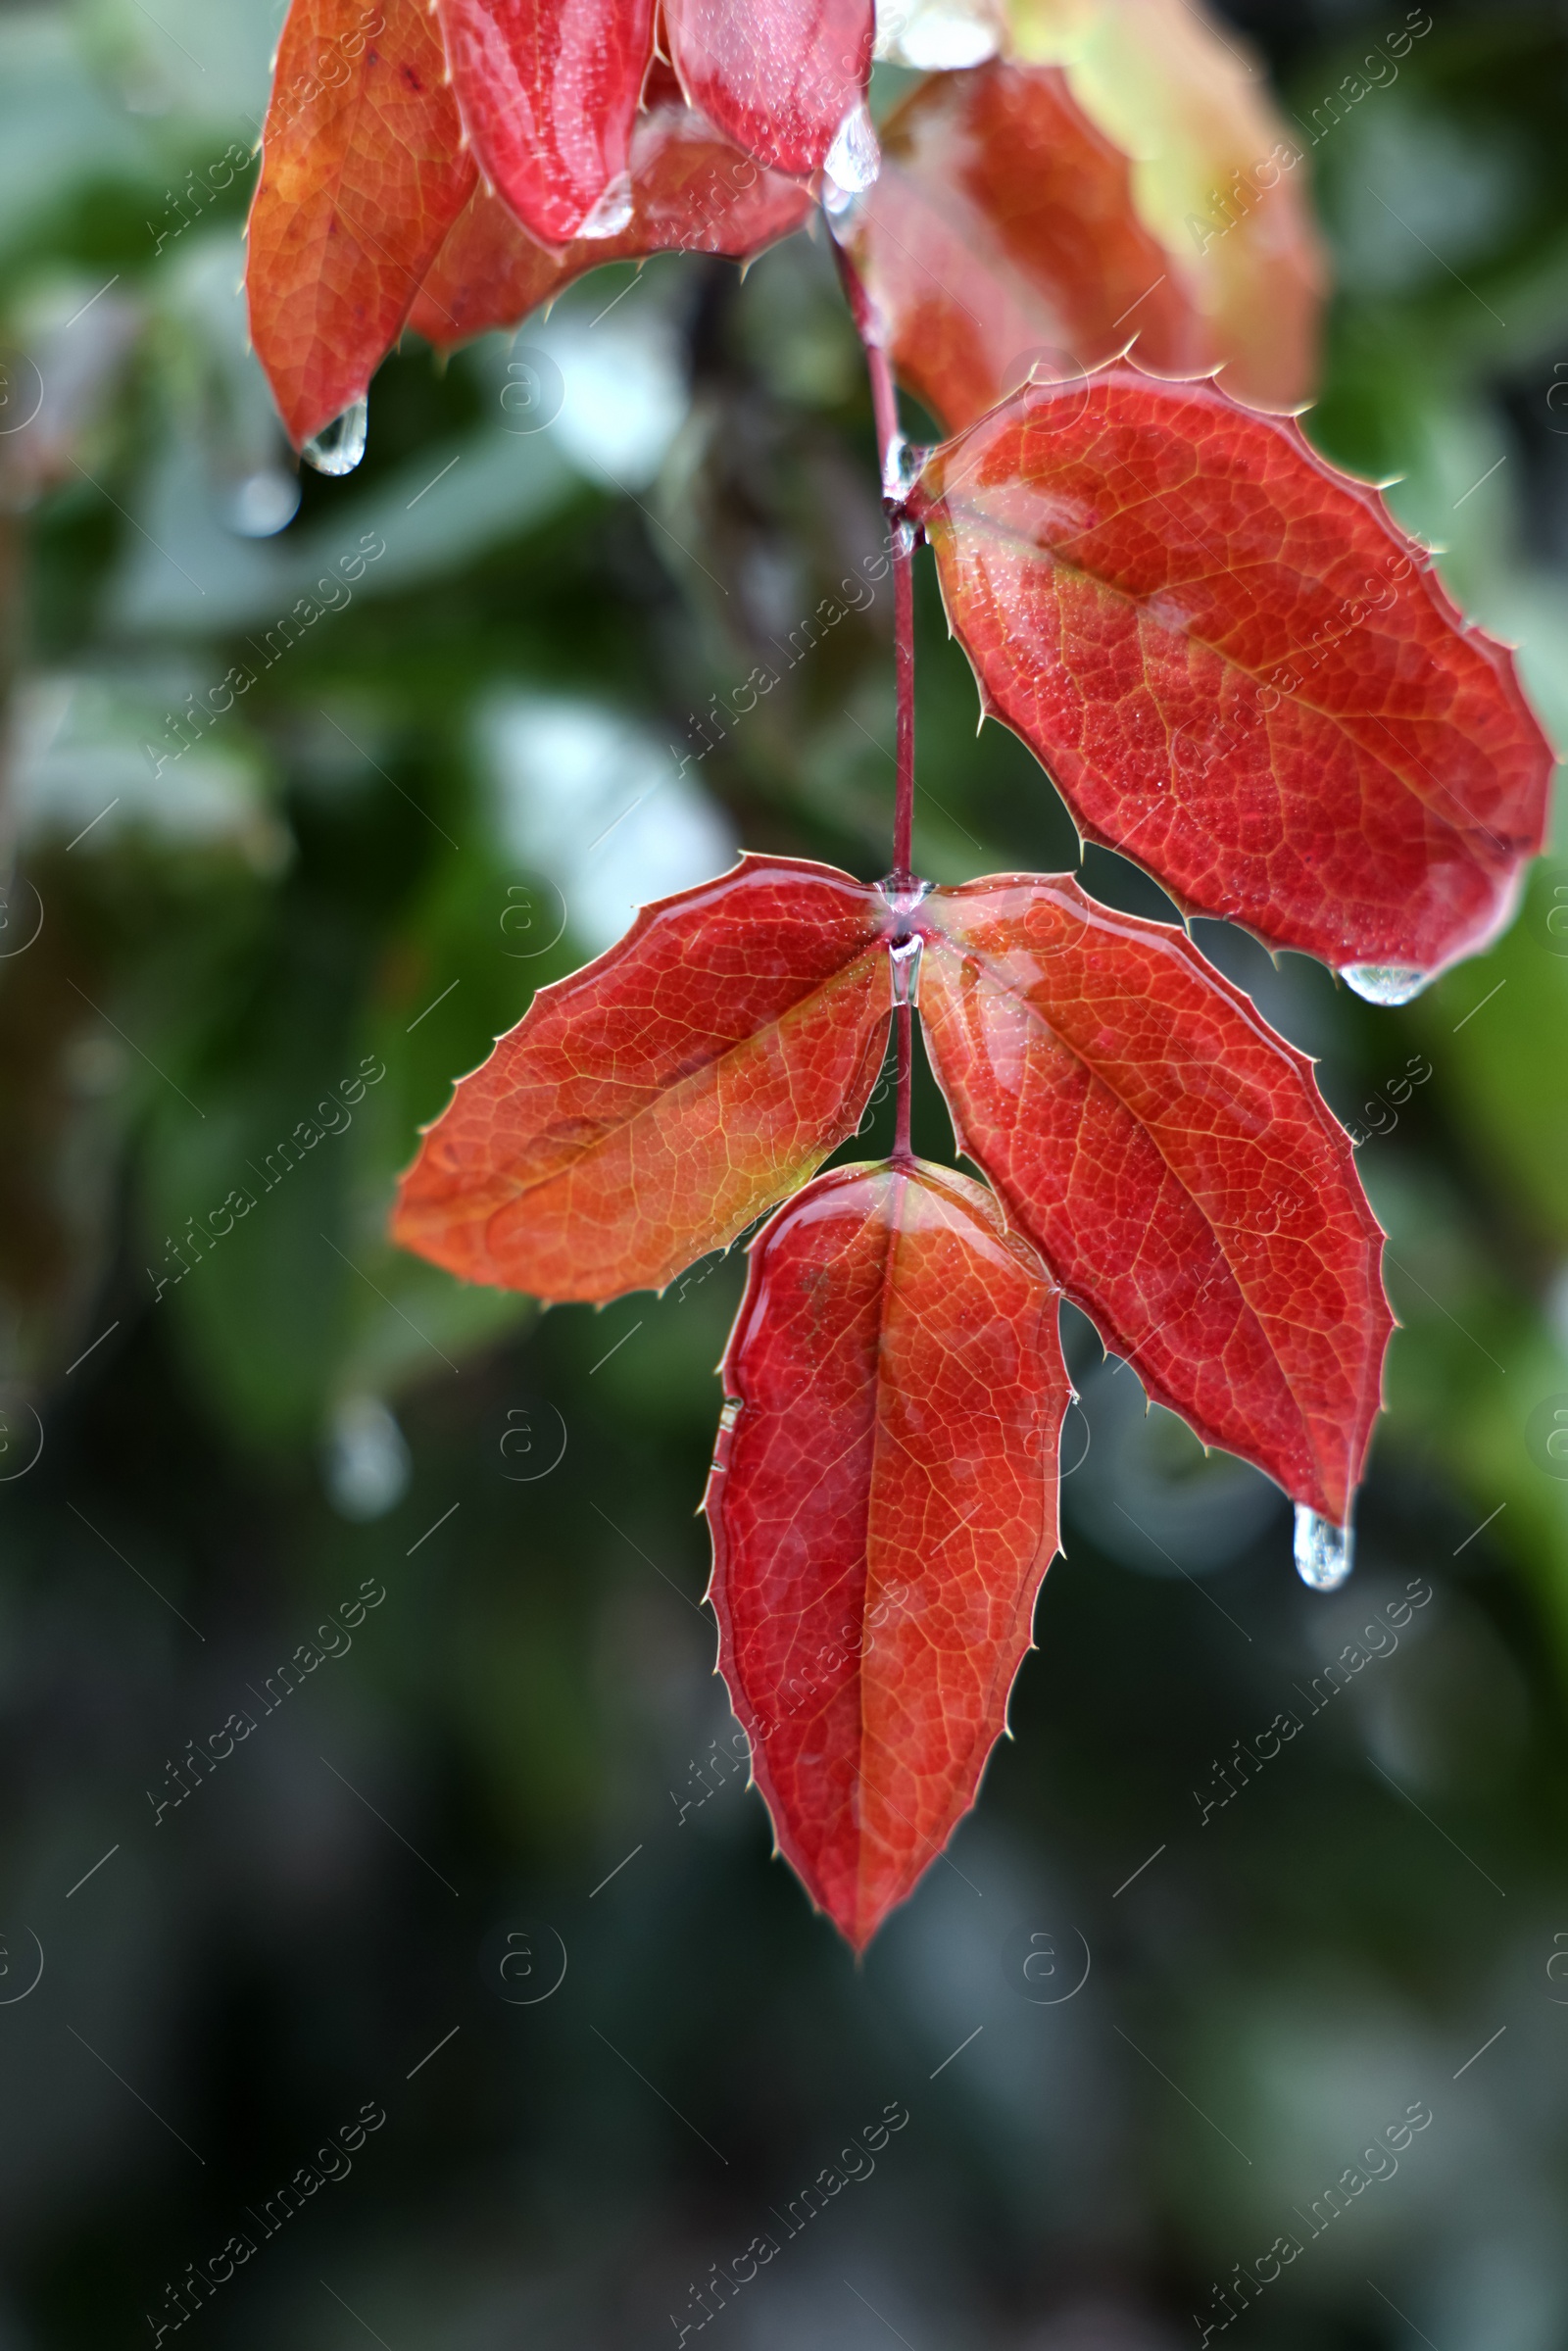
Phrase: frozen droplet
[905,961]
[368,1465]
[339,446]
[1323,1550]
[1386,983]
[263,503]
[853,160]
[612,213]
[938,36]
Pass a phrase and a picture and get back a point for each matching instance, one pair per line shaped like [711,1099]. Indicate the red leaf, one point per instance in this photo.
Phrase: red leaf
[362,176]
[645,1109]
[1217,176]
[778,75]
[883,1506]
[691,191]
[1237,669]
[1174,1163]
[1001,237]
[547,89]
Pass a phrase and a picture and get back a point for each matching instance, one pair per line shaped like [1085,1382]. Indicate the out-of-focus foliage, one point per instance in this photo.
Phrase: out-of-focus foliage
[461,710]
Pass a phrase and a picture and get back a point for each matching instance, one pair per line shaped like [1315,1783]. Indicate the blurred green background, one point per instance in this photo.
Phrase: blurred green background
[453,786]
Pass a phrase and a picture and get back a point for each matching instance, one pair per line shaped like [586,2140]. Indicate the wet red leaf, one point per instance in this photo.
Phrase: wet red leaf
[1174,1163]
[1237,669]
[362,173]
[883,1506]
[548,90]
[692,190]
[778,75]
[1002,238]
[1218,175]
[645,1110]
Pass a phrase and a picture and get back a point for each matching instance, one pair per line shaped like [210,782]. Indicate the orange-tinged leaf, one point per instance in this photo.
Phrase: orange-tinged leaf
[1216,175]
[548,90]
[883,1508]
[777,76]
[1174,1163]
[1000,240]
[645,1110]
[1237,669]
[363,174]
[692,191]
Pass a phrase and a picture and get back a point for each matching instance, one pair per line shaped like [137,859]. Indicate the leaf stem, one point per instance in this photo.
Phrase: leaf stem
[900,547]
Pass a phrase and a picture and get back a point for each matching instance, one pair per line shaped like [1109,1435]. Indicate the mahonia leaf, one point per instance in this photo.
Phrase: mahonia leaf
[1001,241]
[883,1508]
[691,191]
[1237,669]
[1174,1163]
[645,1109]
[778,75]
[362,173]
[548,90]
[1217,177]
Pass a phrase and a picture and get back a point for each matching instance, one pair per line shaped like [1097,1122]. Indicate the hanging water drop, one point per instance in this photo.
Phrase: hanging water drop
[905,961]
[1323,1550]
[339,446]
[853,160]
[612,213]
[1386,983]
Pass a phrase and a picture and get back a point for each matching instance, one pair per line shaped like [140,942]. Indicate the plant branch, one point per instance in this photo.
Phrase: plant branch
[900,547]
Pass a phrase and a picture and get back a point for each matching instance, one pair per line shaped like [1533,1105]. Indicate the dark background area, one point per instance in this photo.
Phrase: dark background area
[517,1759]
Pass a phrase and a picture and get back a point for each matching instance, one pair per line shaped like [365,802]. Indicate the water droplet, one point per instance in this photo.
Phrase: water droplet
[367,1463]
[905,961]
[263,503]
[905,465]
[612,213]
[339,446]
[1323,1551]
[900,894]
[938,36]
[853,160]
[1386,983]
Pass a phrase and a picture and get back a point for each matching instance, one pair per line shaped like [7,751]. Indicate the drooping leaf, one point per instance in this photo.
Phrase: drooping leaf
[1237,669]
[1174,1163]
[363,174]
[692,191]
[883,1506]
[645,1110]
[1001,239]
[778,75]
[548,90]
[1217,177]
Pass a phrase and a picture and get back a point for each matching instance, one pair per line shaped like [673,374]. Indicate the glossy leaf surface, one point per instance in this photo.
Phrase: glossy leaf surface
[645,1109]
[1237,669]
[362,173]
[1173,1161]
[692,191]
[548,90]
[777,76]
[1002,239]
[1219,178]
[883,1506]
